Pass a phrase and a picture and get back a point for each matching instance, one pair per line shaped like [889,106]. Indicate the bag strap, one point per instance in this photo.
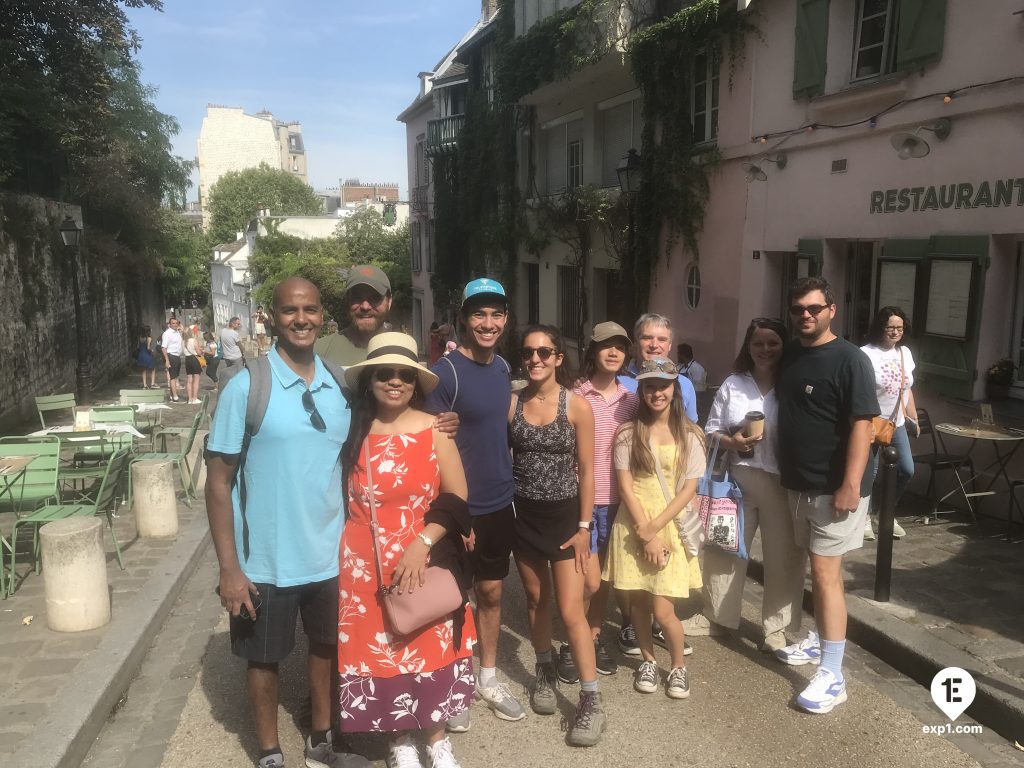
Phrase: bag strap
[374,526]
[657,471]
[709,470]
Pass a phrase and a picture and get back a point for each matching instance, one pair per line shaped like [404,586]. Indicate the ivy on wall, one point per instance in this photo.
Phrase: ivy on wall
[480,217]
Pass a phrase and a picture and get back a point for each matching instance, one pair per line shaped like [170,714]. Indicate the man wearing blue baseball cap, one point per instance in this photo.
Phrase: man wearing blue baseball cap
[476,383]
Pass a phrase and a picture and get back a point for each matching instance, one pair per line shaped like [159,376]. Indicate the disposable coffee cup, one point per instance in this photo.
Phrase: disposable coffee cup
[755,424]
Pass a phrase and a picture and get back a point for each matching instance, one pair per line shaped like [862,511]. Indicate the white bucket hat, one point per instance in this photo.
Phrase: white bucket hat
[392,348]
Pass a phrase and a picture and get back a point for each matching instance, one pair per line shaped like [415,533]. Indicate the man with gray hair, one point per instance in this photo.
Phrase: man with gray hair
[653,336]
[229,341]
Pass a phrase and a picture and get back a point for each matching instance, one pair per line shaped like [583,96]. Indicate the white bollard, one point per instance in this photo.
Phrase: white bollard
[197,463]
[75,574]
[153,498]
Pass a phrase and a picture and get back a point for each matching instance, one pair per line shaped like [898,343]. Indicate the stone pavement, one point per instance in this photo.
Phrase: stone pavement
[955,600]
[54,682]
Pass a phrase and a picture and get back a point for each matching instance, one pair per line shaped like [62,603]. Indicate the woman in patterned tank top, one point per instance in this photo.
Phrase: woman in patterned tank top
[552,436]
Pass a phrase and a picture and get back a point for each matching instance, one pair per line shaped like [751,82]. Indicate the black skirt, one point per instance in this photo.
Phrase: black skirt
[542,526]
[192,366]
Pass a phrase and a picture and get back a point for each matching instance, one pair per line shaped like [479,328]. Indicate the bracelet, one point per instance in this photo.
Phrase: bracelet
[425,539]
[584,525]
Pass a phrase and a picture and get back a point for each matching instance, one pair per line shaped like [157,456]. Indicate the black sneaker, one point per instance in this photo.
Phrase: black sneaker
[659,634]
[566,667]
[627,641]
[606,665]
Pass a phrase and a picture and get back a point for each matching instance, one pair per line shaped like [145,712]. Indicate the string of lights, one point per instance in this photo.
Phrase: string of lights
[872,120]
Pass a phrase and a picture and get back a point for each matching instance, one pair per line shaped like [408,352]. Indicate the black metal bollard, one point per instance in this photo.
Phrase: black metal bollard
[886,516]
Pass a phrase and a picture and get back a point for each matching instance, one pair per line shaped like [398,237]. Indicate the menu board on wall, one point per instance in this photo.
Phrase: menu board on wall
[949,297]
[896,285]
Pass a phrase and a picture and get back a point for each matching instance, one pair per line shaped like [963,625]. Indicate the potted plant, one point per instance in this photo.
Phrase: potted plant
[1000,378]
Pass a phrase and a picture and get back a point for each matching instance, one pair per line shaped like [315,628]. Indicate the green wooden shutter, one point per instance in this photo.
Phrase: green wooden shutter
[922,27]
[811,48]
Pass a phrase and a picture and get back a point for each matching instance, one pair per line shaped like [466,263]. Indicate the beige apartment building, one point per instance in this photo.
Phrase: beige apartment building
[231,140]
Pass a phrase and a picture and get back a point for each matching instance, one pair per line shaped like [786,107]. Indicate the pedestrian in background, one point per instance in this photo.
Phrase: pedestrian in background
[893,364]
[552,436]
[407,474]
[750,390]
[144,358]
[658,459]
[172,347]
[826,393]
[613,405]
[193,367]
[211,351]
[690,368]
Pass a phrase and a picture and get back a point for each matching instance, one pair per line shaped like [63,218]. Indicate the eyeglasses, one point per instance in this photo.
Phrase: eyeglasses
[814,309]
[314,415]
[544,353]
[407,375]
[659,365]
[894,328]
[371,297]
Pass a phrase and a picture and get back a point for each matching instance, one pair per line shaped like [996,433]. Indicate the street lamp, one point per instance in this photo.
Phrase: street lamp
[71,233]
[631,173]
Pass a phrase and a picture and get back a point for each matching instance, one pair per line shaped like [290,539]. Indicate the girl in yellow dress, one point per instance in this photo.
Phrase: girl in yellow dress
[646,556]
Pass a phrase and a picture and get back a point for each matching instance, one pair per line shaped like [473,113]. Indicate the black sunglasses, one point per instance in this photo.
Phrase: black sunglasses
[544,353]
[407,375]
[814,309]
[314,415]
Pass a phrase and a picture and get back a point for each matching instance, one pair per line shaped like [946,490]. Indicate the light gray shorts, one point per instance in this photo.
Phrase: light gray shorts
[817,529]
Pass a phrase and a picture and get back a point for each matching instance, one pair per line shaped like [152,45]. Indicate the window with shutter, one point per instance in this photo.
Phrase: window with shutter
[922,29]
[811,48]
[897,36]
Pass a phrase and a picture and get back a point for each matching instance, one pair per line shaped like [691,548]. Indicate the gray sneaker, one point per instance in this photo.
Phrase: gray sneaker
[460,723]
[543,700]
[275,760]
[500,699]
[645,679]
[589,721]
[324,756]
[677,686]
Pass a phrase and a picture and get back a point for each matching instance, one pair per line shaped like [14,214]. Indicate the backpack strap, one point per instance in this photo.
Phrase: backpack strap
[455,375]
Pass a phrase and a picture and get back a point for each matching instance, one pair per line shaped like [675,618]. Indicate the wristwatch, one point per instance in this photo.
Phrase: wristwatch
[585,525]
[426,540]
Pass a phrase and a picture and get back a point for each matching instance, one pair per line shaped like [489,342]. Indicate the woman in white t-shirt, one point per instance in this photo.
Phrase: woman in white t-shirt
[894,374]
[765,502]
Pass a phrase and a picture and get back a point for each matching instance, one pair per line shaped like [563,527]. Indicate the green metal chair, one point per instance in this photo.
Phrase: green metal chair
[91,452]
[102,503]
[48,403]
[40,484]
[179,457]
[204,410]
[153,418]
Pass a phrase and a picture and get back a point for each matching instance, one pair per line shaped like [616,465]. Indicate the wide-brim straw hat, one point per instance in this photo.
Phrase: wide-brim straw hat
[392,348]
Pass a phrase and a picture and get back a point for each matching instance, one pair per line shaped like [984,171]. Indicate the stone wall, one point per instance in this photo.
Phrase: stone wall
[38,353]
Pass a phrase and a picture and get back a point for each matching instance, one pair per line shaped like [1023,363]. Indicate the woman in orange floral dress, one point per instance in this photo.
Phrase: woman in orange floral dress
[414,683]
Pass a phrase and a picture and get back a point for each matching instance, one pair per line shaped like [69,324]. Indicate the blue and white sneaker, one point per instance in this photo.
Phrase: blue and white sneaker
[807,651]
[823,694]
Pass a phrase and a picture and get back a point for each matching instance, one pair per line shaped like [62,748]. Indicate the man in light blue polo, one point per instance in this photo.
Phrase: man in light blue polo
[278,552]
[653,336]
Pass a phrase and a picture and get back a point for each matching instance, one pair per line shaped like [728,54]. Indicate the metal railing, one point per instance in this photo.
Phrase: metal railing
[419,199]
[443,134]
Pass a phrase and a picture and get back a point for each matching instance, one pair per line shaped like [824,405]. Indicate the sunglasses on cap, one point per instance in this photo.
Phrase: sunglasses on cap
[544,353]
[407,375]
[658,366]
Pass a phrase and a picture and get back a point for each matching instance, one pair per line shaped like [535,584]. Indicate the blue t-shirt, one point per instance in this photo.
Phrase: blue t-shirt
[481,395]
[628,380]
[292,476]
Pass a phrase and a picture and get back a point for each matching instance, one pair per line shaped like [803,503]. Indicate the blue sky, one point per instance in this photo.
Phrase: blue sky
[343,69]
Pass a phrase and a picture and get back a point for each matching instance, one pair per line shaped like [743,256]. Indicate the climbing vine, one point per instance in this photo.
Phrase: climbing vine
[481,219]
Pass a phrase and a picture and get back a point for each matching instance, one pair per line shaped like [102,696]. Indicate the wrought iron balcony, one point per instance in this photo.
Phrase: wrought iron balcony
[443,134]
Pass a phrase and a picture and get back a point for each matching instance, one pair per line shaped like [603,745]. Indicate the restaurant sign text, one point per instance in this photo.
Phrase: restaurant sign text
[1001,193]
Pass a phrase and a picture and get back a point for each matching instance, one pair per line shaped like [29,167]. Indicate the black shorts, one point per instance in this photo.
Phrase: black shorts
[271,637]
[175,365]
[495,534]
[542,526]
[192,366]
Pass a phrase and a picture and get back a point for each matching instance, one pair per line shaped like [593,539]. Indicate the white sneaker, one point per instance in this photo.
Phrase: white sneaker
[404,753]
[500,699]
[897,530]
[807,651]
[441,755]
[823,694]
[869,532]
[700,625]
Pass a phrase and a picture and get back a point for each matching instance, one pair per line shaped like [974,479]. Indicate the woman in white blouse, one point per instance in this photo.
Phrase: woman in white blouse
[894,381]
[765,501]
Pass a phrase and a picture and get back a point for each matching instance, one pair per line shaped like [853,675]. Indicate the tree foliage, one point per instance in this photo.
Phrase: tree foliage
[185,257]
[363,238]
[237,195]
